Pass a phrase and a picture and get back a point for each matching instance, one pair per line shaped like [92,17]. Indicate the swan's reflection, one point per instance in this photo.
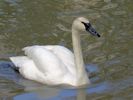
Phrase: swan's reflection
[56,93]
[81,94]
[53,94]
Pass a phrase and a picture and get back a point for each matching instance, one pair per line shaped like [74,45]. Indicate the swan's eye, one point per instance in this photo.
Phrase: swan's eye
[87,25]
[90,29]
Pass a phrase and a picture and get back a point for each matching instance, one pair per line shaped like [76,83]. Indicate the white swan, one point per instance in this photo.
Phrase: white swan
[54,64]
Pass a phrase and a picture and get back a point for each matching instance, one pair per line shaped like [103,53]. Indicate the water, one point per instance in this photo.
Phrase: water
[41,22]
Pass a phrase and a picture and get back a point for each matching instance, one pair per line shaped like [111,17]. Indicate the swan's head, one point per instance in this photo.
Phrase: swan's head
[83,24]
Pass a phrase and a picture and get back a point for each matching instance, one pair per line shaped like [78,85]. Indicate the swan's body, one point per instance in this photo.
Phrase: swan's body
[53,64]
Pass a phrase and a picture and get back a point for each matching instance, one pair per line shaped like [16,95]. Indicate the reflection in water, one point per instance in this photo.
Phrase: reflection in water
[23,23]
[54,94]
[37,96]
[81,94]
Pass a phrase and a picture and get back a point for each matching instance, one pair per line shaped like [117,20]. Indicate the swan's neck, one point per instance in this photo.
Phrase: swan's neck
[81,73]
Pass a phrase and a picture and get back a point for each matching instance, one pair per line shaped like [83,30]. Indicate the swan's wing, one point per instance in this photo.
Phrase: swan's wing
[60,54]
[46,61]
[65,55]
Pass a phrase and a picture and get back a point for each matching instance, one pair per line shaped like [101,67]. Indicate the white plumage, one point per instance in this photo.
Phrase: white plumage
[47,64]
[54,64]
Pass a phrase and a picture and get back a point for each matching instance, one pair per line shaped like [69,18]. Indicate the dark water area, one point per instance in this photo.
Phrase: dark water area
[108,58]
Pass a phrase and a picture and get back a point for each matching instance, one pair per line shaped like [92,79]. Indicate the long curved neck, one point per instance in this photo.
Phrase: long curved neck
[77,51]
[81,73]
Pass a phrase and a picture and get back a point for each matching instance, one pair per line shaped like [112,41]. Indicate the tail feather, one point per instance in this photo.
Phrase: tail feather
[19,60]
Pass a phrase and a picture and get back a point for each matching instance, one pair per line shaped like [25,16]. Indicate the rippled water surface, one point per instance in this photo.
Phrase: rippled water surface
[109,58]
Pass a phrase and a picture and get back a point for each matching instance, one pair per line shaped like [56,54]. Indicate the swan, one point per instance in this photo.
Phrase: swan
[55,64]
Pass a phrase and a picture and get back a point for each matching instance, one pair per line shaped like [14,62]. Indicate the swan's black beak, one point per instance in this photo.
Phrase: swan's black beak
[90,29]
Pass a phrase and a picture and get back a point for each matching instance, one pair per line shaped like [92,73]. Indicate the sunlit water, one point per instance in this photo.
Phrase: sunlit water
[109,58]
